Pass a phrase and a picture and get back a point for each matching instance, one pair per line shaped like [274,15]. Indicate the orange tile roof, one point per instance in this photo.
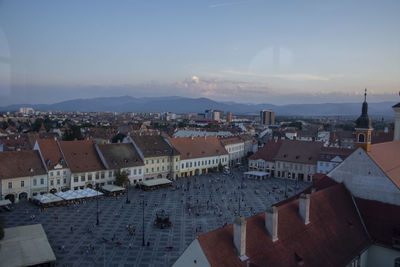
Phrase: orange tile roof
[20,164]
[198,147]
[387,157]
[51,153]
[81,156]
[231,140]
[334,236]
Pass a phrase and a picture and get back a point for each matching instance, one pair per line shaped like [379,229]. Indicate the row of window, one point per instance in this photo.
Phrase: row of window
[235,148]
[10,184]
[158,160]
[58,173]
[158,169]
[202,163]
[284,165]
[134,171]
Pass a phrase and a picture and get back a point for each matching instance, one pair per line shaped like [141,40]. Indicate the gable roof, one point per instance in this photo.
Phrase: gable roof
[329,153]
[20,164]
[154,146]
[81,156]
[386,156]
[121,155]
[51,153]
[305,152]
[198,147]
[381,219]
[334,236]
[231,140]
[268,151]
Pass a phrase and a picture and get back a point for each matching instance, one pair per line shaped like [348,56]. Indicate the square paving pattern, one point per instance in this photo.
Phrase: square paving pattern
[195,205]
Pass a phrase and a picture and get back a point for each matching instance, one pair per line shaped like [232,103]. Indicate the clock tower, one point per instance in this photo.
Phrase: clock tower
[364,127]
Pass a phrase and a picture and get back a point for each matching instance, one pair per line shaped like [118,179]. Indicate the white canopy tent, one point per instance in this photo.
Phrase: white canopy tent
[256,174]
[112,188]
[46,199]
[78,194]
[155,183]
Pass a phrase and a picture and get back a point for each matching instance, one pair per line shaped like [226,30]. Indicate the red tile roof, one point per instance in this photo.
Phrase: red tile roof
[81,156]
[299,151]
[268,151]
[198,147]
[381,219]
[334,236]
[387,157]
[20,164]
[51,153]
[231,140]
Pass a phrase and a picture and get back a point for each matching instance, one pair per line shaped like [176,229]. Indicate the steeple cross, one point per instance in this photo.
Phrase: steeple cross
[365,95]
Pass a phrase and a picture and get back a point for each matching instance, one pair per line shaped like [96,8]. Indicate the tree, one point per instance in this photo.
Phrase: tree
[118,137]
[121,178]
[220,168]
[74,132]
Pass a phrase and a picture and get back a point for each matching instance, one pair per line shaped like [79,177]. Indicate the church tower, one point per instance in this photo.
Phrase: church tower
[364,127]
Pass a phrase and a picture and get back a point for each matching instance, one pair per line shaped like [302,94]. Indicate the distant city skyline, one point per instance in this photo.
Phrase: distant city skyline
[251,51]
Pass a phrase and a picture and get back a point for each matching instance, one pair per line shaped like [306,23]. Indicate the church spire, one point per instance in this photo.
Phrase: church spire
[364,121]
[364,127]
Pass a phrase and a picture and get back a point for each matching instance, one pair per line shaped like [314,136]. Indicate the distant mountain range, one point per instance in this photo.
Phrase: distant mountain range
[197,105]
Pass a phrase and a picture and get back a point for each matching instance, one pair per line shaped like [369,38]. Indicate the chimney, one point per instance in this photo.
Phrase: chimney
[271,222]
[396,135]
[239,237]
[304,208]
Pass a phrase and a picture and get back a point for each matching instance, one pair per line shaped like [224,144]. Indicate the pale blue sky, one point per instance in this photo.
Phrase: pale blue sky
[247,51]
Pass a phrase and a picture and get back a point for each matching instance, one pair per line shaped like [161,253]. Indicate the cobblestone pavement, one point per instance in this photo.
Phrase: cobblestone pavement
[186,203]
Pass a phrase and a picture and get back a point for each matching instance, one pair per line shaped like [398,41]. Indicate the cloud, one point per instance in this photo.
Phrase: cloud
[300,77]
[195,79]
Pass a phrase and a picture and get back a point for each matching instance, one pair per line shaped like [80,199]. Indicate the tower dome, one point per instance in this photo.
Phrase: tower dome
[364,121]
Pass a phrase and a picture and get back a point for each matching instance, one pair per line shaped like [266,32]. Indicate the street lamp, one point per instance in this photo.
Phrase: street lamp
[127,193]
[97,200]
[142,195]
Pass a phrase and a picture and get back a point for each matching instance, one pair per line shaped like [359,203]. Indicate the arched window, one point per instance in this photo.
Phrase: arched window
[397,262]
[361,138]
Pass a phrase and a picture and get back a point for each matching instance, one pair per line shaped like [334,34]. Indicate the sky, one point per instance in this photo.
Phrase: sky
[254,51]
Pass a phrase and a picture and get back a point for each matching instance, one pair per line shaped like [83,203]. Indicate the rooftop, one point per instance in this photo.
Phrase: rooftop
[154,146]
[25,246]
[198,147]
[335,231]
[22,163]
[81,156]
[121,155]
[386,156]
[299,151]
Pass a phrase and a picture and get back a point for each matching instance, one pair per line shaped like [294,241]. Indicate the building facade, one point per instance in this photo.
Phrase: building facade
[161,159]
[234,145]
[122,157]
[22,175]
[87,169]
[267,117]
[199,155]
[59,175]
